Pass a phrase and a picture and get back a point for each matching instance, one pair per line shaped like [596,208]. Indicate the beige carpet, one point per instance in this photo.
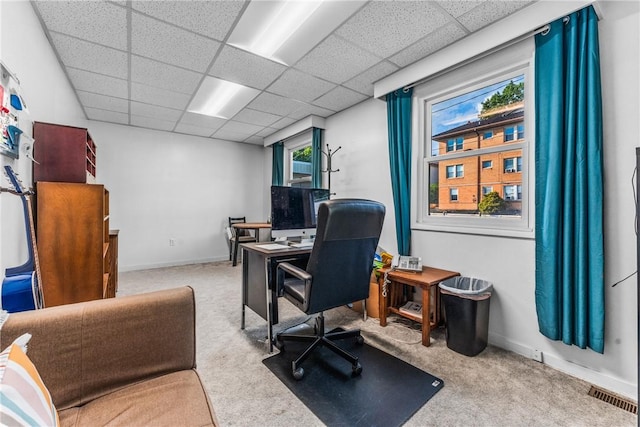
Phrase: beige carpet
[495,388]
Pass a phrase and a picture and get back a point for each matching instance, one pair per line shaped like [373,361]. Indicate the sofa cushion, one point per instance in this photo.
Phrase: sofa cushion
[175,399]
[24,399]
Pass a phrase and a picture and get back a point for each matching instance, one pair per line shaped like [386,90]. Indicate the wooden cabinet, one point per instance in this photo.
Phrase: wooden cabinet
[74,243]
[63,153]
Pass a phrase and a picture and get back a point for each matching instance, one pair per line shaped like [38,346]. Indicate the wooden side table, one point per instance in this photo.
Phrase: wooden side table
[427,281]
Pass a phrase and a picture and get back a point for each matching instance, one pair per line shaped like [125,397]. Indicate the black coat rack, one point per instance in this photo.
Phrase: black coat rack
[328,170]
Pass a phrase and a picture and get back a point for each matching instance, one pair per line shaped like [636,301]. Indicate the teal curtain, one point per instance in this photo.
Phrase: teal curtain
[316,158]
[399,128]
[277,164]
[569,193]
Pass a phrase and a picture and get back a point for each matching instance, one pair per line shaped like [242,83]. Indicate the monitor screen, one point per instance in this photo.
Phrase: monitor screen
[294,210]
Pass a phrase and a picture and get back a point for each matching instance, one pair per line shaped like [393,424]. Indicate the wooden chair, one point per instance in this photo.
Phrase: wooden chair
[242,236]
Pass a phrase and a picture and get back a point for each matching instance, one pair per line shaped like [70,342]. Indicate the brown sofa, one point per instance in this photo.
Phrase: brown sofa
[121,361]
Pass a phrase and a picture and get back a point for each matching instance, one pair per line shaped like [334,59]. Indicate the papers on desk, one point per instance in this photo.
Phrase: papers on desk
[272,246]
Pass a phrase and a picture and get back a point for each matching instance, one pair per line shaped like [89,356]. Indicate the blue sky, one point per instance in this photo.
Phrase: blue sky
[456,111]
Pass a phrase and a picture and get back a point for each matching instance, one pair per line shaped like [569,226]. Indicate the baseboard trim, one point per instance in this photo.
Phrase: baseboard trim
[124,268]
[584,373]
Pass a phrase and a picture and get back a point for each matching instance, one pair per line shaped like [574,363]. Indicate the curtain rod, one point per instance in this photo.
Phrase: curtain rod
[543,29]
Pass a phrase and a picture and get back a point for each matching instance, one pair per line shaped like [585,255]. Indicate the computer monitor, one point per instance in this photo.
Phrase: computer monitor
[294,211]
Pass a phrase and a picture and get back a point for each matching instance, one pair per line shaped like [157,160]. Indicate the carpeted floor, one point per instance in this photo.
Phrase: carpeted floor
[495,388]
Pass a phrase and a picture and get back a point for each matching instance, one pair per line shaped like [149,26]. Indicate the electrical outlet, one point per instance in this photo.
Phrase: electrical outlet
[536,355]
[172,242]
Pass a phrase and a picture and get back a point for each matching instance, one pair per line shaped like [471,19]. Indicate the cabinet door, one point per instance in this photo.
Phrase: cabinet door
[70,222]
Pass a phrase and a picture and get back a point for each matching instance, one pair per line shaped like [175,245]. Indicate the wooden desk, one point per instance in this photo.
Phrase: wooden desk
[259,291]
[428,281]
[255,226]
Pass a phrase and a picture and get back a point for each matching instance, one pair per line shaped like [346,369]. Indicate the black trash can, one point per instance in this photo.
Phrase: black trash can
[466,313]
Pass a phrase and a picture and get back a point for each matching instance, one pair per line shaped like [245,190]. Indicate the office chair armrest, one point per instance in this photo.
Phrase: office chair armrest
[294,271]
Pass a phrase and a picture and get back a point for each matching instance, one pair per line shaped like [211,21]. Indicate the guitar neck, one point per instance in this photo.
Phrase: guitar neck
[34,246]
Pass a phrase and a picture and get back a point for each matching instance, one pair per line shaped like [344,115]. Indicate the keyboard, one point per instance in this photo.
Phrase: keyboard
[302,245]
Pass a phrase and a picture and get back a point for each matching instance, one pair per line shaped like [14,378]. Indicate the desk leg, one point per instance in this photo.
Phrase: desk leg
[245,284]
[269,305]
[426,318]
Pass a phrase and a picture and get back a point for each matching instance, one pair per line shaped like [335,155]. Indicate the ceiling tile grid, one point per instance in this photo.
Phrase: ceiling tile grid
[140,62]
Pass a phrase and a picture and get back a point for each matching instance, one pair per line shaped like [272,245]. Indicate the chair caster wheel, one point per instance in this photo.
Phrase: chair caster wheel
[357,369]
[360,340]
[299,373]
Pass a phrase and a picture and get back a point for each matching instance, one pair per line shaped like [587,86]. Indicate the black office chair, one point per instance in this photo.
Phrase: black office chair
[337,273]
[243,236]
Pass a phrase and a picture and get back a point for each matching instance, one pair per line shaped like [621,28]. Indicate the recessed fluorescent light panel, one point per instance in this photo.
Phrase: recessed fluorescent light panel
[284,31]
[221,98]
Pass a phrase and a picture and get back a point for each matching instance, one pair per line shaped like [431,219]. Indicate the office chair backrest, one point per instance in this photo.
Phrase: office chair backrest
[341,261]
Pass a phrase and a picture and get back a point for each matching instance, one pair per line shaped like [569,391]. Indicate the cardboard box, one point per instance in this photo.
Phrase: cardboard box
[373,302]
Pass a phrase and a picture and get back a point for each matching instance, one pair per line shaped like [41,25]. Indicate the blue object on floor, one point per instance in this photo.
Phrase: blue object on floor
[17,293]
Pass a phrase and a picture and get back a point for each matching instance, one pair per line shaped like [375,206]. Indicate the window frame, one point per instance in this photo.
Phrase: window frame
[291,146]
[517,59]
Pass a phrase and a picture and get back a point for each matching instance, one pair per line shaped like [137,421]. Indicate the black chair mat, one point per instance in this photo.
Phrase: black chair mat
[387,393]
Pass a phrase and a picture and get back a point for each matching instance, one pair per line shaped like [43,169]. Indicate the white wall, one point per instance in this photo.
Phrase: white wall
[26,51]
[168,186]
[510,263]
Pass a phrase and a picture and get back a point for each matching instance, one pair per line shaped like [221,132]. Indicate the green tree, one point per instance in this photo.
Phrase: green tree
[491,203]
[433,193]
[303,155]
[511,93]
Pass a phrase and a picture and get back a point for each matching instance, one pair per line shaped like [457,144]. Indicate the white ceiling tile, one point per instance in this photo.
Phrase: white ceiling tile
[203,121]
[238,66]
[363,83]
[98,83]
[209,18]
[256,117]
[307,110]
[103,102]
[489,12]
[193,130]
[385,27]
[154,111]
[240,128]
[229,136]
[106,116]
[98,22]
[282,123]
[256,140]
[336,60]
[151,123]
[164,76]
[301,86]
[90,56]
[166,43]
[456,8]
[274,104]
[436,40]
[339,99]
[158,96]
[267,131]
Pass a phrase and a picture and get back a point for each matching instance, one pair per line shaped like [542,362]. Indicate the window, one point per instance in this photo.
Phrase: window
[455,144]
[297,166]
[512,192]
[482,104]
[513,133]
[455,171]
[513,164]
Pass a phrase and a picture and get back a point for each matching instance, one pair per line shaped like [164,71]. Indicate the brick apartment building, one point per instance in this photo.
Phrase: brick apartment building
[463,181]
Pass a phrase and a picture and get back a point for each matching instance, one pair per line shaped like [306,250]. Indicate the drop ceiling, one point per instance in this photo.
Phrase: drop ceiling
[139,63]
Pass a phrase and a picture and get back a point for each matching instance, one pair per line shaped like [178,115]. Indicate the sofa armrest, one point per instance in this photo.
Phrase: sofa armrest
[86,350]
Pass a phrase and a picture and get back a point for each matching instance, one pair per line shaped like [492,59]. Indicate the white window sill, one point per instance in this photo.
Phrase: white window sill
[514,233]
